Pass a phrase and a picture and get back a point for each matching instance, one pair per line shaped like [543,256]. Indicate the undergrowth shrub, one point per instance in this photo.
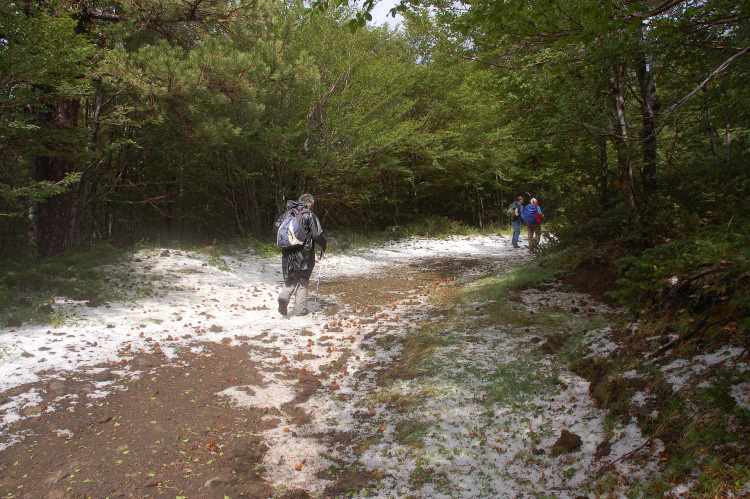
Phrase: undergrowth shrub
[710,260]
[428,226]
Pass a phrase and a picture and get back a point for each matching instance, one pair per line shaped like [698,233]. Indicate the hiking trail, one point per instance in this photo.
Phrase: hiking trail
[399,386]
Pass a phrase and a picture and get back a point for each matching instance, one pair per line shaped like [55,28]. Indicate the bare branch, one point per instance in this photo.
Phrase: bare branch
[681,102]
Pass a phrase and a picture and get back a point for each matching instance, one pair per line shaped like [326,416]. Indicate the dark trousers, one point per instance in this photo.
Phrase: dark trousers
[300,280]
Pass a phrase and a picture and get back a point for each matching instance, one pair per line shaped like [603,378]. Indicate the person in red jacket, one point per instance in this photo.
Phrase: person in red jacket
[532,217]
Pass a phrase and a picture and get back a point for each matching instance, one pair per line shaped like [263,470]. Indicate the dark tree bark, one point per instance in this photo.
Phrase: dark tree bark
[52,217]
[604,168]
[649,109]
[711,131]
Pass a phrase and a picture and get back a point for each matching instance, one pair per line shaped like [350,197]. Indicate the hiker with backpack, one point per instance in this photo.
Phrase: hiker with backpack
[514,213]
[297,231]
[532,218]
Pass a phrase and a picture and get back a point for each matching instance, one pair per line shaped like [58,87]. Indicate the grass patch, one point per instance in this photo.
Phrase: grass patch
[418,350]
[514,383]
[504,286]
[412,432]
[27,286]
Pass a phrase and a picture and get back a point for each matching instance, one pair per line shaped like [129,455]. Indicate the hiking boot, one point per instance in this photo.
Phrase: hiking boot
[282,306]
[304,312]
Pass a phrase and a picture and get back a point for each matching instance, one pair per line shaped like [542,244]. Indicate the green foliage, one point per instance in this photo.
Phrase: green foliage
[42,59]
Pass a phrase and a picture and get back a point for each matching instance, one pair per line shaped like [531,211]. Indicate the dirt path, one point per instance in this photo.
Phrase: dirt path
[397,388]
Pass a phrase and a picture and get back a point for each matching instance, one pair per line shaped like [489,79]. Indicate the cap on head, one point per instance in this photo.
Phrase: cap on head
[533,200]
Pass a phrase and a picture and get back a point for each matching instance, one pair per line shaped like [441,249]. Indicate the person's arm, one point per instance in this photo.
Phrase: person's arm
[316,231]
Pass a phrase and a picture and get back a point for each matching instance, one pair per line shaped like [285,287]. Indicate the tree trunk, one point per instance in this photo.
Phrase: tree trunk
[711,130]
[649,109]
[604,168]
[82,218]
[727,138]
[53,215]
[622,141]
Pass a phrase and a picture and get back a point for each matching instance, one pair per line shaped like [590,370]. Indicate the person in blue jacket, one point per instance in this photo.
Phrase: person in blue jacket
[515,213]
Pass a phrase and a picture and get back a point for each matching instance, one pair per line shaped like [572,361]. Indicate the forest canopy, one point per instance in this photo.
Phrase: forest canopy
[170,120]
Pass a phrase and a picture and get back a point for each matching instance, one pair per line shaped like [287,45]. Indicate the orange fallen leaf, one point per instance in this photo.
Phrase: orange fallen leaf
[298,466]
[382,427]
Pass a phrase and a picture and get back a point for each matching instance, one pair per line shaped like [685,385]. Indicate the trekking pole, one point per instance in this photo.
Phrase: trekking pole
[317,287]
